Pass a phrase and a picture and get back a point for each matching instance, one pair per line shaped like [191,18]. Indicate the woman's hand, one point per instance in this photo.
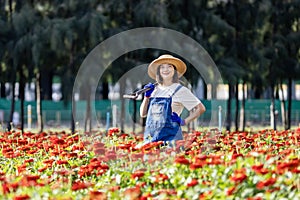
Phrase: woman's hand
[144,105]
[176,118]
[149,92]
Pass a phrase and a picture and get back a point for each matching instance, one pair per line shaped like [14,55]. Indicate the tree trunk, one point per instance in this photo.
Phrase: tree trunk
[71,96]
[134,115]
[105,90]
[214,91]
[12,105]
[204,90]
[237,106]
[273,108]
[242,111]
[122,91]
[46,84]
[22,97]
[289,106]
[73,114]
[228,117]
[13,81]
[257,92]
[40,124]
[282,106]
[2,90]
[88,119]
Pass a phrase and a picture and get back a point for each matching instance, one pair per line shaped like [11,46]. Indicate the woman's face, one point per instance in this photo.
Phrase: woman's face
[167,71]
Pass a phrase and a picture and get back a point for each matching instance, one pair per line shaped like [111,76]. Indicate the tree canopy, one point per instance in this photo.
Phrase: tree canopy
[255,42]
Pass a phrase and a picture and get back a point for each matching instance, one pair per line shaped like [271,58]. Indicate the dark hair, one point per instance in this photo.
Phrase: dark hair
[159,79]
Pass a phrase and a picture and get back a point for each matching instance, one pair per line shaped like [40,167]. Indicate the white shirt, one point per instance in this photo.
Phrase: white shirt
[183,98]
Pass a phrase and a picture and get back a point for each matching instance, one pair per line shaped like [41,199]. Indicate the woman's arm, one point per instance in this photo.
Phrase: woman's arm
[144,107]
[195,112]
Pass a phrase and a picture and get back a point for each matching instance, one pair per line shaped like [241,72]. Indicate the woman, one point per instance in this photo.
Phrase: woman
[164,103]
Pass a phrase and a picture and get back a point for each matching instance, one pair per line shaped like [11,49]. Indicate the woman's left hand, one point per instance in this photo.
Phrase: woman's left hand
[176,118]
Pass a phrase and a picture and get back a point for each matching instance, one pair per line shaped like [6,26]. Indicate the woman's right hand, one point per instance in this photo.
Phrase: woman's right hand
[149,92]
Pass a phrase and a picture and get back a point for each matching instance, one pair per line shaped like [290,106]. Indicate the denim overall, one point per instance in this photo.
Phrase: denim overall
[159,125]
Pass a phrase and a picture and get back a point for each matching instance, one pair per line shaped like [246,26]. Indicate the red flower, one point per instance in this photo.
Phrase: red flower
[168,192]
[133,193]
[32,177]
[62,162]
[9,187]
[259,169]
[80,146]
[80,185]
[99,145]
[236,155]
[114,188]
[113,131]
[94,165]
[230,191]
[84,171]
[161,177]
[239,176]
[146,196]
[29,160]
[111,155]
[265,183]
[124,146]
[201,157]
[254,198]
[7,150]
[97,195]
[104,166]
[64,172]
[205,195]
[192,183]
[72,155]
[124,135]
[22,142]
[29,180]
[21,197]
[99,151]
[2,178]
[137,174]
[21,168]
[288,165]
[151,145]
[48,162]
[136,156]
[197,165]
[58,141]
[182,160]
[141,184]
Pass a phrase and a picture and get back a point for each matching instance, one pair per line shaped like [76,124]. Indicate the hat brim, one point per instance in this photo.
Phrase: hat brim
[179,64]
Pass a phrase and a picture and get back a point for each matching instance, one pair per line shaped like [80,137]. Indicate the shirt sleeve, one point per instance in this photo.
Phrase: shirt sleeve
[186,98]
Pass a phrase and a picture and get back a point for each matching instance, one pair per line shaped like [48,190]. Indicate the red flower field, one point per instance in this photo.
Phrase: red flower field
[232,165]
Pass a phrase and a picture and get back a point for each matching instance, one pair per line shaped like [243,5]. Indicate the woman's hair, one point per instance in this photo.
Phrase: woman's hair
[159,79]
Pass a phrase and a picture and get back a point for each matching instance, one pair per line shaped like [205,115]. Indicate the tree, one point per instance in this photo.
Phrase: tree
[287,41]
[77,28]
[280,50]
[18,50]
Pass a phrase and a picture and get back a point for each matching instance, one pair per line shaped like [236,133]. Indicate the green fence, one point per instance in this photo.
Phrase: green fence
[256,112]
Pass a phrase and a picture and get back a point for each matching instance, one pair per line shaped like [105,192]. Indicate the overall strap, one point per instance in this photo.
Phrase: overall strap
[176,90]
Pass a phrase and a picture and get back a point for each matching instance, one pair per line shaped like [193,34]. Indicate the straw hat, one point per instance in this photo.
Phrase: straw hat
[179,64]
